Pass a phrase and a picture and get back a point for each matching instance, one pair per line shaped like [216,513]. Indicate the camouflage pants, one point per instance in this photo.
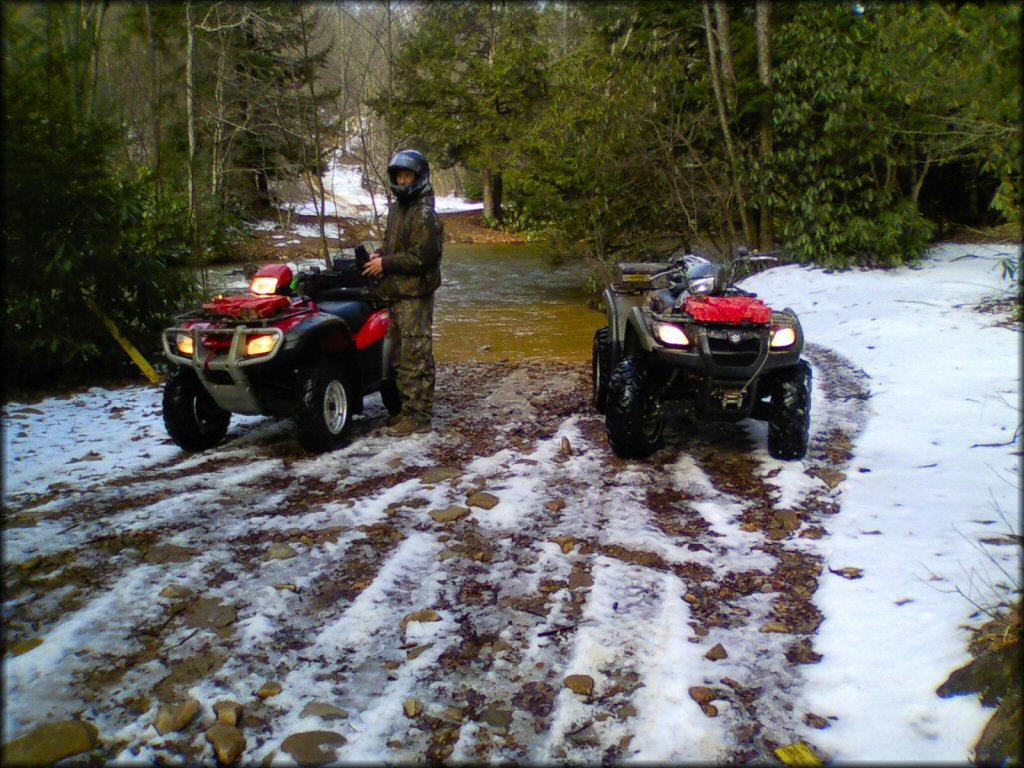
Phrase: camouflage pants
[412,354]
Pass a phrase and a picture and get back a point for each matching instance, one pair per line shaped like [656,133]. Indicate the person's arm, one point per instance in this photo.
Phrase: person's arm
[424,249]
[374,265]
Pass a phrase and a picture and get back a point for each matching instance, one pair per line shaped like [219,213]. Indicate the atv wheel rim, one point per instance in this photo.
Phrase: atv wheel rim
[206,413]
[651,422]
[335,407]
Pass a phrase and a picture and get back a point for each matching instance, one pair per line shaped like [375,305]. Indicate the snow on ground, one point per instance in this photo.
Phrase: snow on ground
[348,196]
[935,473]
[933,476]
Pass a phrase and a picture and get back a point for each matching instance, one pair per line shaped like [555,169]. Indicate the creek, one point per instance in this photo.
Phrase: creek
[497,302]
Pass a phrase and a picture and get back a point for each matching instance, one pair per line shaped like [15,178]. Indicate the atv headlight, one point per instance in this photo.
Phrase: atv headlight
[264,286]
[184,344]
[702,285]
[672,335]
[781,338]
[262,344]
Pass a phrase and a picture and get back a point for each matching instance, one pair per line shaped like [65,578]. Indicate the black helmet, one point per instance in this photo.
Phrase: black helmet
[408,160]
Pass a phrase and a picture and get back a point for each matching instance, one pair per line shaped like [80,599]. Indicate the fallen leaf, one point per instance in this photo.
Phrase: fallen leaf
[412,707]
[797,754]
[848,573]
[581,684]
[426,615]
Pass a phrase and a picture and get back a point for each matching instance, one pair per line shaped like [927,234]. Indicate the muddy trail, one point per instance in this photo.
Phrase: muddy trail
[503,588]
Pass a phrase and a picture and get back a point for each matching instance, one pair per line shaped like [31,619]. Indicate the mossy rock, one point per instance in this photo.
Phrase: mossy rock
[1000,742]
[992,675]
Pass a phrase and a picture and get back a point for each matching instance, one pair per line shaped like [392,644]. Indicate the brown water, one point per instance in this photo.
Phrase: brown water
[497,302]
[509,301]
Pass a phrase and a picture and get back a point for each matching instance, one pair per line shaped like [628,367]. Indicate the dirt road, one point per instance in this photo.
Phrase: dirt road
[503,588]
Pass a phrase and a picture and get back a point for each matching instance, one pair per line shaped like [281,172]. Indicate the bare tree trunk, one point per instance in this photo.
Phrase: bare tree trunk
[492,177]
[762,24]
[565,27]
[493,191]
[730,150]
[190,111]
[217,141]
[96,51]
[319,197]
[391,79]
[154,79]
[725,47]
[920,179]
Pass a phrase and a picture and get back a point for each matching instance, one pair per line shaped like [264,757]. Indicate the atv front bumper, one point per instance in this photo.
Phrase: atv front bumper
[220,357]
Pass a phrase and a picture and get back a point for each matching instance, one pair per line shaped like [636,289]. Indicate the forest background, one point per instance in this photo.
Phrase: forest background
[143,140]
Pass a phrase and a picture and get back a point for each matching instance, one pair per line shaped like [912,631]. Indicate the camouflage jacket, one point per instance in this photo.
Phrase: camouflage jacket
[411,252]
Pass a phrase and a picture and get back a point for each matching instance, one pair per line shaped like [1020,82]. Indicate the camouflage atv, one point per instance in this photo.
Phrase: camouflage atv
[681,332]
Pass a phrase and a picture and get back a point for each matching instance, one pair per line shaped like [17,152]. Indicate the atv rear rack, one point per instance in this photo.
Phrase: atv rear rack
[642,276]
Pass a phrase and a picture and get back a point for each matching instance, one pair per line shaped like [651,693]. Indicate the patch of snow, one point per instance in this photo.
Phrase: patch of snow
[943,382]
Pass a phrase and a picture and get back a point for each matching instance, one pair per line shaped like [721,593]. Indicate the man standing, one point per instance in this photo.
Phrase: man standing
[409,267]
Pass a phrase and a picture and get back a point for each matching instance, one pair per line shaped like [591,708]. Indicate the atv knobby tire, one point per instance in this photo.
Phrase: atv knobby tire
[192,418]
[601,362]
[633,418]
[789,414]
[323,413]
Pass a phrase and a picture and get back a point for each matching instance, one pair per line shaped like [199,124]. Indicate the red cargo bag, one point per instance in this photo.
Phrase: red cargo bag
[728,309]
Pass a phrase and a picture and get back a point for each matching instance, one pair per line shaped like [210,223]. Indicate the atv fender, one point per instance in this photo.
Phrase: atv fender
[325,336]
[620,307]
[640,331]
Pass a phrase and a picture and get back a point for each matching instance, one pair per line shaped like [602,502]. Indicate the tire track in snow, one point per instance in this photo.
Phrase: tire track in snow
[589,565]
[760,610]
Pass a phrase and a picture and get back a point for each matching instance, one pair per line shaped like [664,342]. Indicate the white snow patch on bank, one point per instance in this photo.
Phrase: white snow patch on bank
[944,382]
[348,195]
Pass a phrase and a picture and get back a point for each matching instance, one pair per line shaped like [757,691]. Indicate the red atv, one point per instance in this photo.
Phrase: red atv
[310,349]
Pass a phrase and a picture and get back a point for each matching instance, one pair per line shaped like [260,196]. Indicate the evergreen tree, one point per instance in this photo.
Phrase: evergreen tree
[468,79]
[76,224]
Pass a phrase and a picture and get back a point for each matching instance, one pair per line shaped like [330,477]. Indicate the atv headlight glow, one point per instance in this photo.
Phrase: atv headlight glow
[782,337]
[184,344]
[672,335]
[262,344]
[264,286]
[702,285]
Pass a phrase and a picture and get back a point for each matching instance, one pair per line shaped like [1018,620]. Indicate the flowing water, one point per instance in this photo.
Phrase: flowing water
[498,302]
[511,302]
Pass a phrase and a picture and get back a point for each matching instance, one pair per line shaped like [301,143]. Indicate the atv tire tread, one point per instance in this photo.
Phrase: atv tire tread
[601,360]
[192,418]
[789,414]
[632,432]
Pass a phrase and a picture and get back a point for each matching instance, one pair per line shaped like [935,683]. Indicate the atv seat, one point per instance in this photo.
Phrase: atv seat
[343,293]
[353,313]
